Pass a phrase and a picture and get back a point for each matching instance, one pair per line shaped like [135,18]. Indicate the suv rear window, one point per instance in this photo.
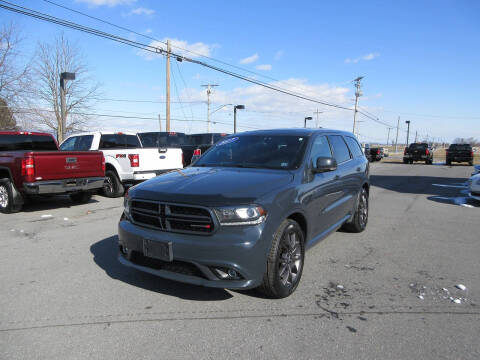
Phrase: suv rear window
[12,142]
[119,141]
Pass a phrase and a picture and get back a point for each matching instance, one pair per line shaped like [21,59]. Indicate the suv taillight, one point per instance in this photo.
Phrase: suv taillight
[28,167]
[134,160]
[197,152]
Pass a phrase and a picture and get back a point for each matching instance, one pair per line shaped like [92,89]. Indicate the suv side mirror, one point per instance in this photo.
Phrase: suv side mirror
[325,164]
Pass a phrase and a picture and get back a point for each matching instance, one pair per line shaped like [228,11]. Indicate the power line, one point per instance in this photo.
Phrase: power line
[72,25]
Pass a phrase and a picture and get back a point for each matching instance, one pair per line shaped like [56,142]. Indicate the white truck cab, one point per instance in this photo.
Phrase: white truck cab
[125,159]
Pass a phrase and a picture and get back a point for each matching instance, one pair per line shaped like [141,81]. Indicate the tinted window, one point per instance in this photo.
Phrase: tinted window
[119,141]
[205,139]
[162,139]
[320,148]
[340,149]
[418,146]
[256,151]
[69,144]
[460,147]
[131,141]
[355,148]
[27,142]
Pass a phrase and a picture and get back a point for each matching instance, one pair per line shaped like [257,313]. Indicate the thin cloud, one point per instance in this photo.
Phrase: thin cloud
[278,55]
[109,3]
[266,67]
[367,57]
[142,11]
[148,31]
[250,59]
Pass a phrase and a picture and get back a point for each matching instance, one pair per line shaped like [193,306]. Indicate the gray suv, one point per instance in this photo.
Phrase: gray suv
[243,215]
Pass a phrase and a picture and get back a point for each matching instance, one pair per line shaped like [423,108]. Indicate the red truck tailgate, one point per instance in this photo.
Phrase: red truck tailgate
[52,165]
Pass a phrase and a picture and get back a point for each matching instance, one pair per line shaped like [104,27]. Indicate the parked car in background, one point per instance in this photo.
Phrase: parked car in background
[31,164]
[474,184]
[244,214]
[373,153]
[203,142]
[459,153]
[418,152]
[385,152]
[126,161]
[166,140]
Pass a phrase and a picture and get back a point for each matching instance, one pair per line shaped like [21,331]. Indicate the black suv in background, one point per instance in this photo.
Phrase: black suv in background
[244,214]
[459,153]
[418,152]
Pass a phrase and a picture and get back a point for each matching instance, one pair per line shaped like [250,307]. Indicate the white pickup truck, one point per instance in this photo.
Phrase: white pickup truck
[125,159]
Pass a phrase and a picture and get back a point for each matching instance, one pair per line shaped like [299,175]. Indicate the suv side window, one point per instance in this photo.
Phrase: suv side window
[320,148]
[354,146]
[340,149]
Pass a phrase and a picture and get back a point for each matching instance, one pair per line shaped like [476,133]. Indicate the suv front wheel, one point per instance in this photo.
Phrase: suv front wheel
[285,261]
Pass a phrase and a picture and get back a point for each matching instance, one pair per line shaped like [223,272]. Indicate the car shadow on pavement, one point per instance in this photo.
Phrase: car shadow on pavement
[428,185]
[105,256]
[42,203]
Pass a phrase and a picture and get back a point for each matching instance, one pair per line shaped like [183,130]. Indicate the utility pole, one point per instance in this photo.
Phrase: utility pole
[167,108]
[388,136]
[416,135]
[209,91]
[408,130]
[358,93]
[396,140]
[160,122]
[316,113]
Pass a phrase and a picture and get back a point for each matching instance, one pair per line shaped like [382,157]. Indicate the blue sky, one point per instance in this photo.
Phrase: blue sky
[419,61]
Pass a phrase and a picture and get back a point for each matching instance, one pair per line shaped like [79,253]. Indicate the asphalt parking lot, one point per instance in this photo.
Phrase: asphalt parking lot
[385,293]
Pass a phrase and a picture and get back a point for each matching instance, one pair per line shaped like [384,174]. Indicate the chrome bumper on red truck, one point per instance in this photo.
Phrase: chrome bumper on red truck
[63,185]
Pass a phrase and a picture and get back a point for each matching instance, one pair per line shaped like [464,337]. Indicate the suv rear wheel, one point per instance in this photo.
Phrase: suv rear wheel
[285,261]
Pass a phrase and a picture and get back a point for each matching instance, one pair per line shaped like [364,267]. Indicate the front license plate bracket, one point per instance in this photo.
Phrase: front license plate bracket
[158,249]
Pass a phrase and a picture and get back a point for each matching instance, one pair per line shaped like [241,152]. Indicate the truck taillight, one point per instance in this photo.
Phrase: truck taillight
[378,152]
[446,152]
[405,151]
[103,164]
[197,152]
[28,167]
[471,153]
[183,159]
[427,152]
[134,160]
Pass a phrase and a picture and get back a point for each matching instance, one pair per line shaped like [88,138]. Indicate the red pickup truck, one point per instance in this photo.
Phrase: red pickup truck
[32,164]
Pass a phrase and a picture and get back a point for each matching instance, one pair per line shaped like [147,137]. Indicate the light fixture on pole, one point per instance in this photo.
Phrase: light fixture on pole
[62,127]
[305,123]
[239,107]
[408,129]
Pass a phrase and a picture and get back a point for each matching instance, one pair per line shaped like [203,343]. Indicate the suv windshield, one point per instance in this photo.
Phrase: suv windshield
[257,151]
[162,139]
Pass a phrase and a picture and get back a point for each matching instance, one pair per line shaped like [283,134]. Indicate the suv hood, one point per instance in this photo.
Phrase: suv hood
[212,186]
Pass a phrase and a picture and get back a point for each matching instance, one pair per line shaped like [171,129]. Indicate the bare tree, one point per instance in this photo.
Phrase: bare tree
[80,94]
[15,75]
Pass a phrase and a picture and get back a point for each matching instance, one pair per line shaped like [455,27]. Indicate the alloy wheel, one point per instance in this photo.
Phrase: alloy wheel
[3,196]
[290,262]
[363,209]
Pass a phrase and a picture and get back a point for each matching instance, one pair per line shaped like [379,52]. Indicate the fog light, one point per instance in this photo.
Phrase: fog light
[226,273]
[233,274]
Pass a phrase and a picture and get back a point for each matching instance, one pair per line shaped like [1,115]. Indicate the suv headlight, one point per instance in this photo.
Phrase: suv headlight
[240,215]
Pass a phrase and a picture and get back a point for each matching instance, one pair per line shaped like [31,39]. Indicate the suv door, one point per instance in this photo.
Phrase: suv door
[321,192]
[346,170]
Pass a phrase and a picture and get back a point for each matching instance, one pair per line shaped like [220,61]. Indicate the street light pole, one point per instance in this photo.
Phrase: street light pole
[307,118]
[63,106]
[408,130]
[240,107]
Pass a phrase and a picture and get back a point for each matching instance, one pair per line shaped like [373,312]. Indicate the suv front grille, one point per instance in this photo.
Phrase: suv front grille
[172,217]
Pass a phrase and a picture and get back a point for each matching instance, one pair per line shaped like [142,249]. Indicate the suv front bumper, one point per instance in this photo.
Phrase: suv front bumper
[195,257]
[63,185]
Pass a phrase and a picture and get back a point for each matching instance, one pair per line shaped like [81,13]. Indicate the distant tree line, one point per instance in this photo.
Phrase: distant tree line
[470,140]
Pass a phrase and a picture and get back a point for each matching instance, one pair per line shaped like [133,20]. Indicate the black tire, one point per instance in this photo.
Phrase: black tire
[449,162]
[6,198]
[405,161]
[470,163]
[411,161]
[285,261]
[360,218]
[112,187]
[81,197]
